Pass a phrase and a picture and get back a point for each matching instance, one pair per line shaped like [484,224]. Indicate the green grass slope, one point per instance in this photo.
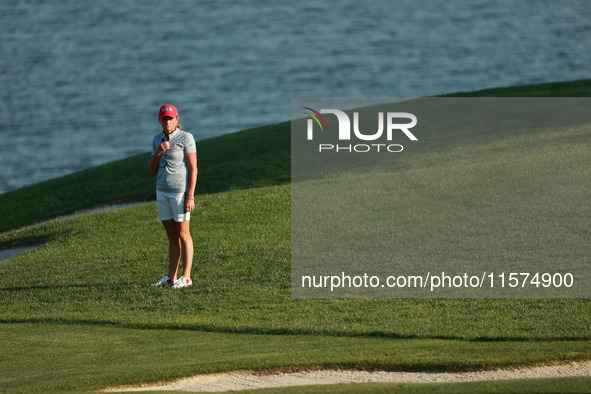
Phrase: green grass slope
[78,313]
[96,270]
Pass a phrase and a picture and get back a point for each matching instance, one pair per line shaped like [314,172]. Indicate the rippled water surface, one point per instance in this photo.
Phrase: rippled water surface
[82,81]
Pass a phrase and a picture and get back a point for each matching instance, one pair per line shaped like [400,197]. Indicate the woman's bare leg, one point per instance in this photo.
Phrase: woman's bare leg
[187,247]
[174,247]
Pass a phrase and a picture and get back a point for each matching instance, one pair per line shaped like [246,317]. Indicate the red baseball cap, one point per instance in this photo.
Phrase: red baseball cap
[168,110]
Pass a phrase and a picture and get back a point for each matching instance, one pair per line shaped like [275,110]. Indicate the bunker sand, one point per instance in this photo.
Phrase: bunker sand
[245,380]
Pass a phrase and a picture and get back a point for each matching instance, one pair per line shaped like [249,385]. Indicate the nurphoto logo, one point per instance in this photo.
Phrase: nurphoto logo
[393,125]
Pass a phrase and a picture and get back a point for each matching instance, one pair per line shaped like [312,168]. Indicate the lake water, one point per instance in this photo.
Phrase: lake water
[82,81]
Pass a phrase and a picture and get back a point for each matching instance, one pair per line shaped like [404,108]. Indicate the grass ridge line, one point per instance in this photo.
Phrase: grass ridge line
[283,331]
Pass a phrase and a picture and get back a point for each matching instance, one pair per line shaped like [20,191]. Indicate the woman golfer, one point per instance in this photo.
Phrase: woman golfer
[174,159]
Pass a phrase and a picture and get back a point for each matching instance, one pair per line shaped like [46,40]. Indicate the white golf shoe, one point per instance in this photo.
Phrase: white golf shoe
[182,282]
[164,281]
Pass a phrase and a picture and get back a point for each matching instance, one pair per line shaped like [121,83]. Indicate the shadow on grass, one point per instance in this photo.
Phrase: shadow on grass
[70,286]
[280,332]
[16,250]
[27,242]
[21,245]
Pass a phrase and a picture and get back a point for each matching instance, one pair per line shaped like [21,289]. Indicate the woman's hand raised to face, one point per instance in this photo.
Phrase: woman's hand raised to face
[163,148]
